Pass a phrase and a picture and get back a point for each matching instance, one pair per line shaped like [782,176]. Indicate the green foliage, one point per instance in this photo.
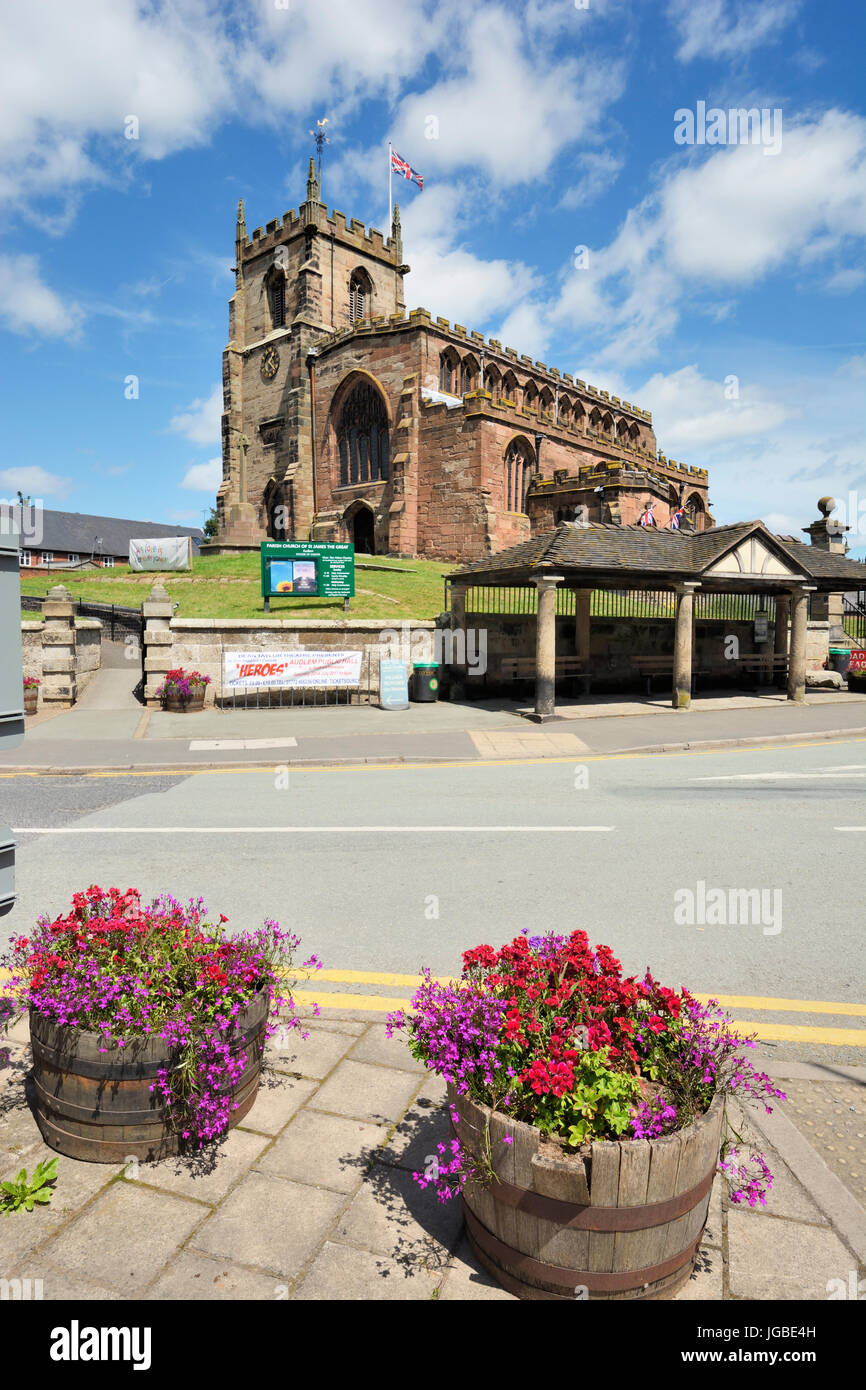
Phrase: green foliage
[24,1193]
[598,1106]
[211,525]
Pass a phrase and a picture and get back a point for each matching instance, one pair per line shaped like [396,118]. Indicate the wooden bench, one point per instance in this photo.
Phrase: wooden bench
[650,666]
[516,668]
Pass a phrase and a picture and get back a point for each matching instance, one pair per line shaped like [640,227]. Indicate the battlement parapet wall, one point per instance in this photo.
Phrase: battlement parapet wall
[349,231]
[494,353]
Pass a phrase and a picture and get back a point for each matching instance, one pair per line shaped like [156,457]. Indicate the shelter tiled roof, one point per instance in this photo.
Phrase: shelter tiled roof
[650,553]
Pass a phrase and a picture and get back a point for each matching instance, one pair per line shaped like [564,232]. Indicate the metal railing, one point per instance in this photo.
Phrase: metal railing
[114,617]
[520,600]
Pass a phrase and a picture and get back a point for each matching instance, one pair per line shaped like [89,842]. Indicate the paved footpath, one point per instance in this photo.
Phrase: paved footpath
[108,730]
[312,1196]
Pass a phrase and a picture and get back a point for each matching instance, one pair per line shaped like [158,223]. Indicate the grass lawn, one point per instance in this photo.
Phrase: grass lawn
[229,586]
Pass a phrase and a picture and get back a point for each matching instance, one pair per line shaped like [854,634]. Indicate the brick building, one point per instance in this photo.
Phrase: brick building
[345,418]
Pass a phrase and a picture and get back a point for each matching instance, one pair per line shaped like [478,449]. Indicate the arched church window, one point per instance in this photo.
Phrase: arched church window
[518,466]
[509,387]
[695,511]
[362,437]
[468,375]
[449,371]
[360,296]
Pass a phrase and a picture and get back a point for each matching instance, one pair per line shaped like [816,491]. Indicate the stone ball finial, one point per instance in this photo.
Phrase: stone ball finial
[826,505]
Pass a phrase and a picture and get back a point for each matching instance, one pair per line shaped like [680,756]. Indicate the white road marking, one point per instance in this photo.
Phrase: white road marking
[780,776]
[307,829]
[860,828]
[210,744]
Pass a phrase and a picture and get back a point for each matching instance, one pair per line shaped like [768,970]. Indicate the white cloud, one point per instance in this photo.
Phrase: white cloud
[724,29]
[201,421]
[692,413]
[447,278]
[714,226]
[34,482]
[72,75]
[509,110]
[28,305]
[204,477]
[599,170]
[846,280]
[741,214]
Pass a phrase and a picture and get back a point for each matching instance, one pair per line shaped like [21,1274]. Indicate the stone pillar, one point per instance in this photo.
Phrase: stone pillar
[797,656]
[157,610]
[583,598]
[780,637]
[457,642]
[681,696]
[59,686]
[829,534]
[545,646]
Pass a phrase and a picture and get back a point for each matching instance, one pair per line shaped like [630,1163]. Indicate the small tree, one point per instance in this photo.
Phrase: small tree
[211,526]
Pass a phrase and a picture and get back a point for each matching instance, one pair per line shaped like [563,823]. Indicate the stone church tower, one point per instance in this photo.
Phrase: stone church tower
[296,281]
[348,419]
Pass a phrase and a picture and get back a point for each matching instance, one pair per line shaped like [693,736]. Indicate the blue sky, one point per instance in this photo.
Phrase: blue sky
[724,288]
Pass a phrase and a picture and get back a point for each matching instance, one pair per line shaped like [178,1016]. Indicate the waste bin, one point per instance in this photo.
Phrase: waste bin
[425,682]
[839,659]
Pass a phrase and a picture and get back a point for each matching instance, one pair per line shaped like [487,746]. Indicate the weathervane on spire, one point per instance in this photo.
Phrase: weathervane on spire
[321,138]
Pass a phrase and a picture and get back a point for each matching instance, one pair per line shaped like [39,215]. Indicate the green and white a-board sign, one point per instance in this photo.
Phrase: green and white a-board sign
[393,685]
[307,569]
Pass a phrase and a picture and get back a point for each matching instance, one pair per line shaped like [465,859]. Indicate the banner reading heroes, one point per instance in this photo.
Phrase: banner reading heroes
[291,670]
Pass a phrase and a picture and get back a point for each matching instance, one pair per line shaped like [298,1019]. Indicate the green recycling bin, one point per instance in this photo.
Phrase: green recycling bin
[839,659]
[425,682]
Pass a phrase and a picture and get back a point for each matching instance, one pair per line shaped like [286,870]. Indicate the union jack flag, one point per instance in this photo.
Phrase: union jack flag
[647,518]
[400,166]
[676,518]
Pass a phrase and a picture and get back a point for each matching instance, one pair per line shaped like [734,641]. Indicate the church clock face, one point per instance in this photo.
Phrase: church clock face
[270,363]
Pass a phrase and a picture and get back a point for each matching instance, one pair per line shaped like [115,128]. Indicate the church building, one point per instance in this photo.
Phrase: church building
[348,419]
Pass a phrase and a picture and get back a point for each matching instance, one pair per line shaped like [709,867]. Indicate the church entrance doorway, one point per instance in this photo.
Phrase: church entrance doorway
[363,533]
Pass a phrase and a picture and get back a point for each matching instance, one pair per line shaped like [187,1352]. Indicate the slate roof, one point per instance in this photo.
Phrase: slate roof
[75,531]
[652,553]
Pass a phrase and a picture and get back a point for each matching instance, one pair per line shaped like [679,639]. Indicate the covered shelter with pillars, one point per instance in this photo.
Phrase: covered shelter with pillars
[687,568]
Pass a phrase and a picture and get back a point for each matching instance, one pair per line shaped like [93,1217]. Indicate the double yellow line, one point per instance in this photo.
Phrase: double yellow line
[770,1032]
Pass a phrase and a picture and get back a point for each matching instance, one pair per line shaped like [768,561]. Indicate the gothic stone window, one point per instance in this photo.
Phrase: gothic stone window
[468,375]
[518,464]
[449,372]
[360,295]
[362,437]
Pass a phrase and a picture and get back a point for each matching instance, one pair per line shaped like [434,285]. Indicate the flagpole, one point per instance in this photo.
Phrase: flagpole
[390,195]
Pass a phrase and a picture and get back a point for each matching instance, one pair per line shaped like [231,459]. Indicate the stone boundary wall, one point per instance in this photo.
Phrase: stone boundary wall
[197,644]
[62,652]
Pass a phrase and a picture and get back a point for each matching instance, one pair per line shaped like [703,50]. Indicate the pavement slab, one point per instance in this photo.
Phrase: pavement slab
[367,1092]
[312,1057]
[194,1277]
[324,1151]
[312,1198]
[279,1098]
[124,1238]
[270,1224]
[771,1258]
[341,1273]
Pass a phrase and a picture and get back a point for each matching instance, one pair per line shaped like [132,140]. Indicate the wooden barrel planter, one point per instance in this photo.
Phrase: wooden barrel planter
[98,1106]
[174,705]
[31,700]
[623,1223]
